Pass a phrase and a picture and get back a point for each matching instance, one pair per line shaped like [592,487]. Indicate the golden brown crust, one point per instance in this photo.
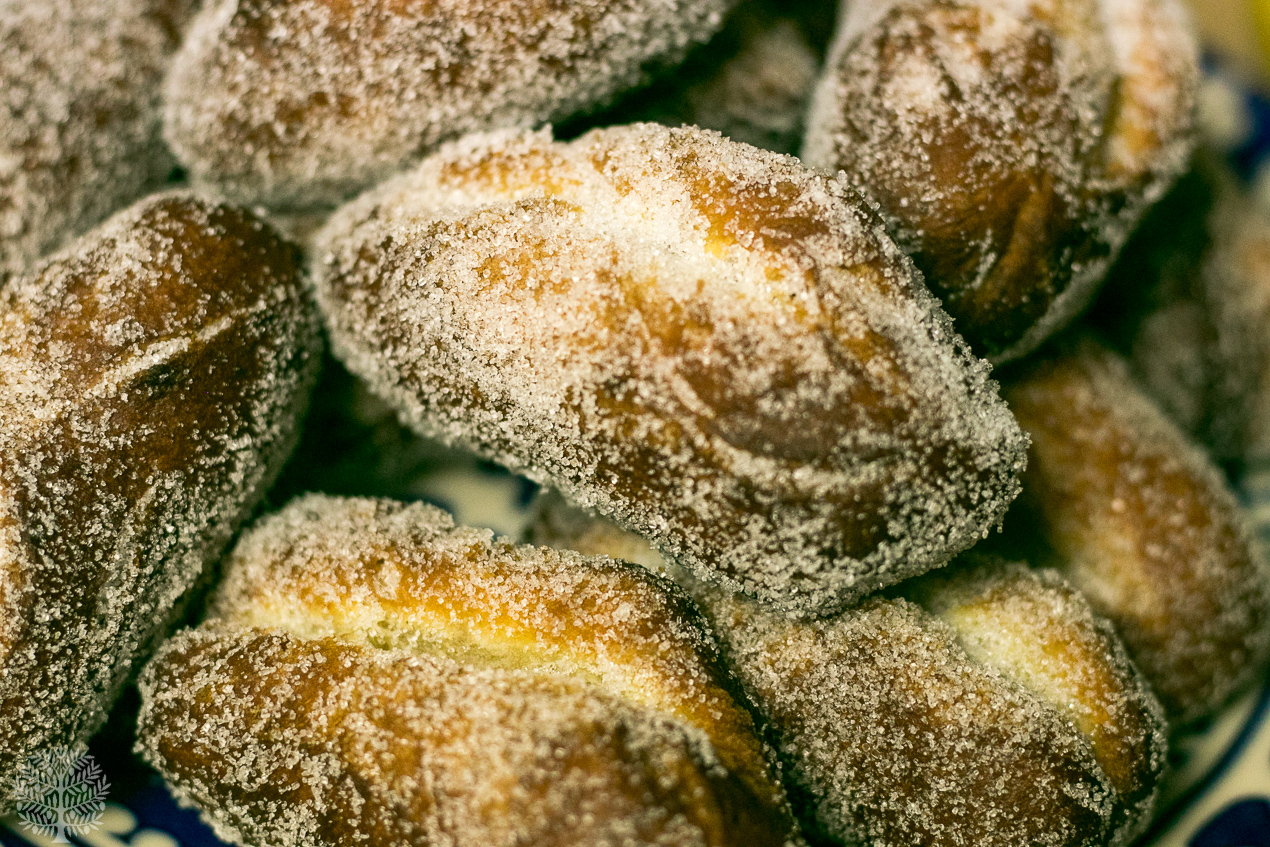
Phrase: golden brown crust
[1011,145]
[704,341]
[295,103]
[589,685]
[1145,525]
[152,377]
[80,117]
[986,705]
[1039,632]
[286,741]
[996,176]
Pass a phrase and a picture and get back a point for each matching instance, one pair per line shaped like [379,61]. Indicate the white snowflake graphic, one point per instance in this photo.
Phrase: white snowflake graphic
[60,792]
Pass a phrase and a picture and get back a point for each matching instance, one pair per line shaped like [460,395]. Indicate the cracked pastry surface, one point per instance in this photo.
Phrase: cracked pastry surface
[295,103]
[372,671]
[704,341]
[981,704]
[1011,144]
[152,377]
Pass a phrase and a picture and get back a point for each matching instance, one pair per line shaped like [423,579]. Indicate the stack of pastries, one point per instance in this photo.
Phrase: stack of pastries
[762,597]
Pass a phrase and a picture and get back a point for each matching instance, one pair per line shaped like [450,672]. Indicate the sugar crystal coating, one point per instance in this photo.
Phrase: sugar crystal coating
[1012,144]
[152,376]
[372,671]
[79,115]
[1145,525]
[979,705]
[1203,347]
[752,81]
[295,103]
[760,95]
[704,341]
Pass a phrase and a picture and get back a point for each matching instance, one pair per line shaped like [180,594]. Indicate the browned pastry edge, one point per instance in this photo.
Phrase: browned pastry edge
[982,704]
[152,378]
[1143,522]
[416,750]
[346,627]
[1014,188]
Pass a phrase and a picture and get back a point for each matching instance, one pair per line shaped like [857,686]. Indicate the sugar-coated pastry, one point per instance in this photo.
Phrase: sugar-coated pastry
[1153,299]
[1237,287]
[1202,346]
[79,115]
[704,341]
[752,82]
[297,103]
[1011,144]
[371,673]
[1145,525]
[152,376]
[983,704]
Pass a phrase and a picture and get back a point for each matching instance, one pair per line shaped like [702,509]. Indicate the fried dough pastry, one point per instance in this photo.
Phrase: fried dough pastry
[80,116]
[752,82]
[152,376]
[759,95]
[1154,299]
[1236,288]
[299,103]
[704,341]
[1011,144]
[372,673]
[1201,345]
[1145,525]
[984,704]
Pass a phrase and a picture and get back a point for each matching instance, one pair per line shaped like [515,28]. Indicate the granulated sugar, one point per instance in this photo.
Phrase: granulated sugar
[304,102]
[704,341]
[79,115]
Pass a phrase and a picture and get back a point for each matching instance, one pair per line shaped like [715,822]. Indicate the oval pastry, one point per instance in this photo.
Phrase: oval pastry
[1145,525]
[370,672]
[1011,144]
[152,377]
[983,704]
[701,340]
[295,103]
[752,82]
[80,117]
[1201,341]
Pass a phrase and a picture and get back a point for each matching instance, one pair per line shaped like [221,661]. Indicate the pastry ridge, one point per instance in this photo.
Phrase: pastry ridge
[702,340]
